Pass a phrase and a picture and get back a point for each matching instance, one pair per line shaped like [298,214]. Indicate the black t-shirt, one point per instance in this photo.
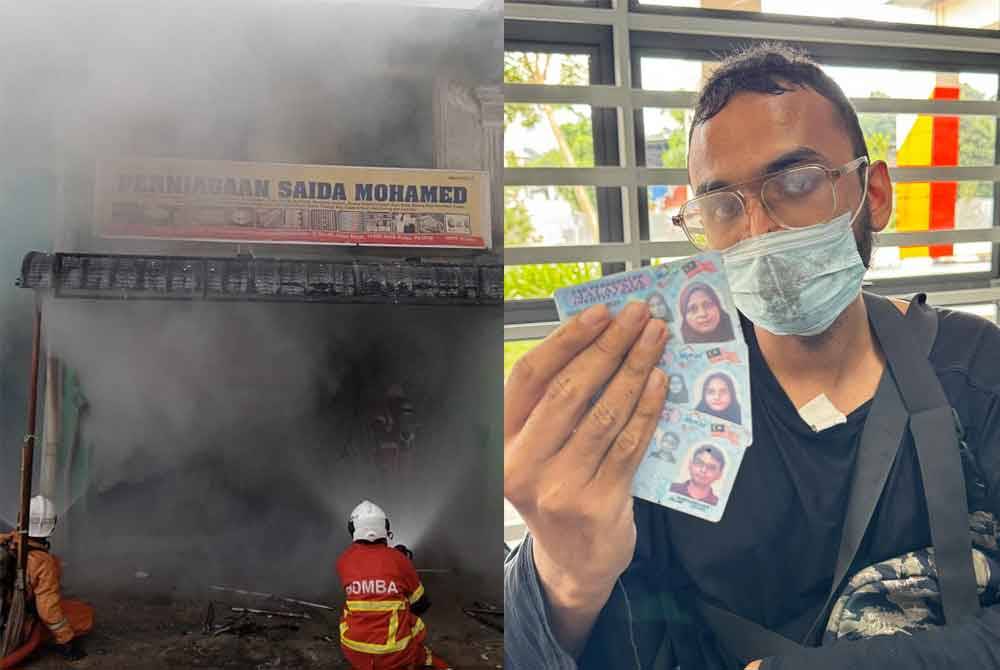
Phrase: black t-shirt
[771,558]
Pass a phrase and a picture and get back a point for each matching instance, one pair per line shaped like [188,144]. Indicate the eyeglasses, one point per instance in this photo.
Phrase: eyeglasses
[708,466]
[797,197]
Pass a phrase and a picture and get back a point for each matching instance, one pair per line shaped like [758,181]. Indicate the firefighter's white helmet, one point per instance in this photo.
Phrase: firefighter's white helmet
[368,522]
[42,517]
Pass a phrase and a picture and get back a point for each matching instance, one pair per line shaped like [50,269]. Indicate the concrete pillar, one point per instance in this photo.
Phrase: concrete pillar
[468,135]
[491,109]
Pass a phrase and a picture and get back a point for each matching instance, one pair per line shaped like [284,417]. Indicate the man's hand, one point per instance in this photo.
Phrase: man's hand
[753,666]
[568,466]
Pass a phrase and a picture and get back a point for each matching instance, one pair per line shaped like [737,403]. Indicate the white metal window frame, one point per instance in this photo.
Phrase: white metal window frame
[626,100]
[622,18]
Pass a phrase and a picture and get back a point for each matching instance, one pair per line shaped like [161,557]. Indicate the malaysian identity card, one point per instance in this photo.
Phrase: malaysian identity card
[705,426]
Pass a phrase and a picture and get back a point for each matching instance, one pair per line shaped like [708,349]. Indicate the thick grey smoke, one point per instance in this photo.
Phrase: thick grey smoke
[230,436]
[232,439]
[297,80]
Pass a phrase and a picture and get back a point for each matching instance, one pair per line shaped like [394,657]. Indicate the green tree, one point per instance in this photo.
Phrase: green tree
[976,145]
[977,137]
[879,131]
[578,136]
[574,147]
[539,281]
[573,137]
[675,155]
[517,227]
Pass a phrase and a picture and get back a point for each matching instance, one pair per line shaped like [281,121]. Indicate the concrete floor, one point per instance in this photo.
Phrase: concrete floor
[153,630]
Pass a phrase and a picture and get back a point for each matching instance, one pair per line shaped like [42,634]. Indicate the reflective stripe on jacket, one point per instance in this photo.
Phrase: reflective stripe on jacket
[381,584]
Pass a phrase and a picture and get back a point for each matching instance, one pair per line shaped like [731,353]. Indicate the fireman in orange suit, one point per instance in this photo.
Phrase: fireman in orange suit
[380,627]
[65,621]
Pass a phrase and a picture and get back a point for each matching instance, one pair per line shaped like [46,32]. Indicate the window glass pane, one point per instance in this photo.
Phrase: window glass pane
[968,204]
[670,74]
[546,215]
[572,3]
[899,139]
[674,74]
[513,350]
[968,257]
[666,136]
[522,282]
[665,259]
[966,14]
[548,136]
[922,140]
[538,67]
[662,203]
[869,82]
[671,3]
[975,84]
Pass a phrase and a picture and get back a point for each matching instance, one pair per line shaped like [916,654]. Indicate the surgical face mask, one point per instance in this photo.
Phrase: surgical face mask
[796,282]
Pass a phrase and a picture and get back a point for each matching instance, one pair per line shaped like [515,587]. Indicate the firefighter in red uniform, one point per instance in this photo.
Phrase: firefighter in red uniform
[380,628]
[64,620]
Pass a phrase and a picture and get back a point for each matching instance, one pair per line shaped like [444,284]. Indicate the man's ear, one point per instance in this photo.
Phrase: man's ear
[879,195]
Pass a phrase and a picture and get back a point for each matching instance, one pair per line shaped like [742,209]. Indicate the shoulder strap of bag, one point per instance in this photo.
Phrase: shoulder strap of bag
[932,423]
[883,433]
[880,440]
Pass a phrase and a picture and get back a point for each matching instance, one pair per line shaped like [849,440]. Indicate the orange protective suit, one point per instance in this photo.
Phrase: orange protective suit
[63,619]
[377,629]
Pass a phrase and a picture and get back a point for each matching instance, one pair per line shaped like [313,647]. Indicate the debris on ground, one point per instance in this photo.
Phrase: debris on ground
[486,614]
[171,631]
[271,596]
[270,613]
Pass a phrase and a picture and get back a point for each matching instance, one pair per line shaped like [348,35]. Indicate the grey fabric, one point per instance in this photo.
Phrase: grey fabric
[528,641]
[902,594]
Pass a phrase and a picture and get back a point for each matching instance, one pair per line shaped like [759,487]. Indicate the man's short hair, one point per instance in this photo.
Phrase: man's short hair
[712,451]
[774,69]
